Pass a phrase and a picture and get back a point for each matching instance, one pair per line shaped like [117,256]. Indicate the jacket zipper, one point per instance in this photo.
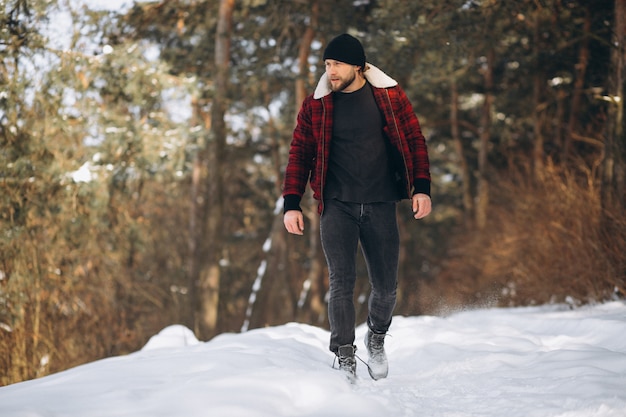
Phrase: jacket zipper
[395,123]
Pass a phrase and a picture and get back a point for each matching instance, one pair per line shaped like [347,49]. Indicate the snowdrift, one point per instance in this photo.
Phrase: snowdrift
[525,362]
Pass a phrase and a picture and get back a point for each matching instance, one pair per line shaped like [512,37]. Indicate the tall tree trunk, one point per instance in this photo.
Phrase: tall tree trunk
[613,192]
[314,282]
[538,83]
[468,204]
[207,190]
[196,226]
[579,83]
[303,55]
[485,137]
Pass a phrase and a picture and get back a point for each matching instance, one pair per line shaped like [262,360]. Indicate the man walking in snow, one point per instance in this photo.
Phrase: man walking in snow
[359,143]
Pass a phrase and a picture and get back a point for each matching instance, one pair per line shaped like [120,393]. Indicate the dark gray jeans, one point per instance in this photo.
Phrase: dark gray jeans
[342,227]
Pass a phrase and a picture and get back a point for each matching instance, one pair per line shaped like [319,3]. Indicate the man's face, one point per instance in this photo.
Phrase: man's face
[341,76]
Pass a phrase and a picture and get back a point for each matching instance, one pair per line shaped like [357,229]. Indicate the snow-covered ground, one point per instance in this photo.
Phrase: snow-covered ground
[526,362]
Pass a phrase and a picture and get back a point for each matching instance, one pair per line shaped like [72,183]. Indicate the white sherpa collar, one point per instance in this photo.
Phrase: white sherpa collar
[373,75]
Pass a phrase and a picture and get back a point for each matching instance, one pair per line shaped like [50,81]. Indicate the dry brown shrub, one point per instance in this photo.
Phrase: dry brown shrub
[547,240]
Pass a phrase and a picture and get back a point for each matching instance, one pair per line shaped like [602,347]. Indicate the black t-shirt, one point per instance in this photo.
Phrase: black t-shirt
[358,167]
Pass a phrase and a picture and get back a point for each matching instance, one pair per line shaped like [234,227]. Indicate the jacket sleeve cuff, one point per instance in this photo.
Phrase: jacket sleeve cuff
[292,202]
[421,186]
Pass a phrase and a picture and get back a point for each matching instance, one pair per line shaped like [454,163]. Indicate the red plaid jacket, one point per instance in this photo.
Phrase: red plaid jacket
[310,146]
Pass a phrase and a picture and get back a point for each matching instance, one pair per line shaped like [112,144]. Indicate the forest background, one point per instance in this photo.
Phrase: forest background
[141,164]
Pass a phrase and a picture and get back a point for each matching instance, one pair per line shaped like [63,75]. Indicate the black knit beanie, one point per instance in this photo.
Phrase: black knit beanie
[346,48]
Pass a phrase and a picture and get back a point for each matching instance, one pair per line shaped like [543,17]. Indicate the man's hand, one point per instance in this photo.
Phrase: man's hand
[294,222]
[421,206]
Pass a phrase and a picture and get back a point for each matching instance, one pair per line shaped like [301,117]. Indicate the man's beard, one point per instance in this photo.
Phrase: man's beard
[343,85]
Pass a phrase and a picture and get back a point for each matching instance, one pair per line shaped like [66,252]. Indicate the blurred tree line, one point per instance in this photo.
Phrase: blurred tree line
[142,159]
